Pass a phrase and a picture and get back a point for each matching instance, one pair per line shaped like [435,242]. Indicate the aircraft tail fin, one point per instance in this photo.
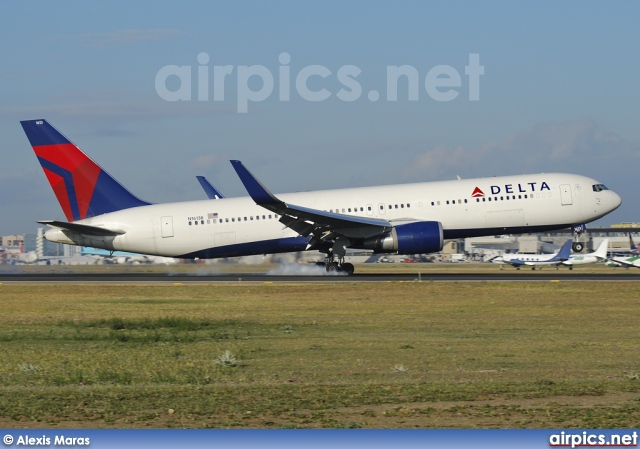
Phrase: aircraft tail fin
[601,252]
[631,244]
[565,251]
[82,187]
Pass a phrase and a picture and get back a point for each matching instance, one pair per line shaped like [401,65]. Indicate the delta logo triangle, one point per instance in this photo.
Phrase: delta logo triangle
[477,193]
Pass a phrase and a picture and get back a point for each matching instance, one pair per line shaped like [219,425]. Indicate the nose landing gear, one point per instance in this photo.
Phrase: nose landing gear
[579,240]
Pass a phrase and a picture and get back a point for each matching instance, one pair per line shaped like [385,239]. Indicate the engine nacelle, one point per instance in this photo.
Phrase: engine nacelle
[412,238]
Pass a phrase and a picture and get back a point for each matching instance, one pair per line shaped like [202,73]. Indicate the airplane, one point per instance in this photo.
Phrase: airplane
[598,255]
[623,261]
[399,219]
[633,261]
[534,260]
[633,249]
[209,189]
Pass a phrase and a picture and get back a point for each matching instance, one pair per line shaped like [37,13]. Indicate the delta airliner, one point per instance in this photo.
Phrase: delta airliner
[402,219]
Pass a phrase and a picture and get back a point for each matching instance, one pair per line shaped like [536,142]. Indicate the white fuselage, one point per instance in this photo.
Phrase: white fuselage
[527,259]
[237,226]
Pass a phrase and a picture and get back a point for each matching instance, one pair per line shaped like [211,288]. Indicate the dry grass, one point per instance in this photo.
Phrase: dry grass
[349,355]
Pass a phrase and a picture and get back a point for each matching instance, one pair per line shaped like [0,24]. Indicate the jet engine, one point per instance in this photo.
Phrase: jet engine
[420,237]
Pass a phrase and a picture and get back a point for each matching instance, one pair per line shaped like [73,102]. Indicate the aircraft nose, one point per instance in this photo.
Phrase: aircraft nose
[616,201]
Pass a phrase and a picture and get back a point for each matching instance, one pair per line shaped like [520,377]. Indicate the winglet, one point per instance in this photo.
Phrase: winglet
[212,192]
[259,193]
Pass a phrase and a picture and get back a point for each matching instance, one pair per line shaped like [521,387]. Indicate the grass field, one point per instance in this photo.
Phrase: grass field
[389,355]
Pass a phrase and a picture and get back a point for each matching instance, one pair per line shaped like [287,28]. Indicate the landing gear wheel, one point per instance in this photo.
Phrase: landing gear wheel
[333,267]
[577,247]
[347,268]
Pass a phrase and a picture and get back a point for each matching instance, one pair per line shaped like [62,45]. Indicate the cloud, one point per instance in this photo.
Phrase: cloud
[205,161]
[120,37]
[578,146]
[116,106]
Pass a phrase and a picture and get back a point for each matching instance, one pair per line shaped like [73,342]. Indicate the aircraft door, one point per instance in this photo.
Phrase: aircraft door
[381,209]
[166,224]
[369,209]
[565,195]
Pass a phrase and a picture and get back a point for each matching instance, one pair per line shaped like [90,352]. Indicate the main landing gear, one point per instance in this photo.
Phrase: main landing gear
[337,252]
[331,266]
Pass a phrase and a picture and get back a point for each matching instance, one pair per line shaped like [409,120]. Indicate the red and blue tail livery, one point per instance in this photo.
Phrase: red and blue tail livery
[82,187]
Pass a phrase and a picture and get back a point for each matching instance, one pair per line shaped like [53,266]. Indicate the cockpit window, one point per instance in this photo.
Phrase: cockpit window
[599,187]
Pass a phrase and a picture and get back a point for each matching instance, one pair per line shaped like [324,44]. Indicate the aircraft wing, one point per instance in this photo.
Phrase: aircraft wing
[627,261]
[81,228]
[308,221]
[209,189]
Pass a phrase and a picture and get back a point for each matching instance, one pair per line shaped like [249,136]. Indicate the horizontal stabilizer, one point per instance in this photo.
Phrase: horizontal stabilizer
[81,228]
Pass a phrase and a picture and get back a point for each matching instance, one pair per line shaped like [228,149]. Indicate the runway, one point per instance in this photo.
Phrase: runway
[540,276]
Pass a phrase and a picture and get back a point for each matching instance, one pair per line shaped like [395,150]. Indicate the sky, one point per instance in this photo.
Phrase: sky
[301,92]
